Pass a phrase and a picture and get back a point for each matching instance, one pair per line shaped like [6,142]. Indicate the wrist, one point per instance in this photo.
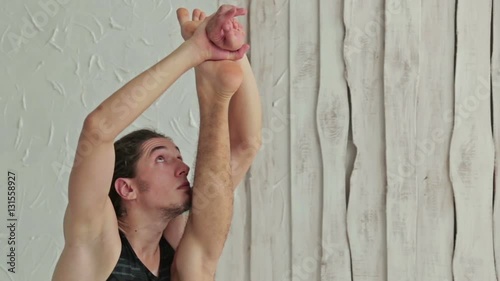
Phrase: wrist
[197,55]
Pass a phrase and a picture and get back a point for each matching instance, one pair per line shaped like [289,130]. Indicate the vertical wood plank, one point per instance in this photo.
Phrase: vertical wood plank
[269,179]
[472,150]
[333,128]
[401,70]
[306,194]
[234,262]
[495,76]
[364,54]
[435,224]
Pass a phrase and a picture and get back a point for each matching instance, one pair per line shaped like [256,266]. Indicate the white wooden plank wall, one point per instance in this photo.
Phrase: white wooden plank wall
[306,166]
[270,175]
[472,150]
[333,128]
[401,70]
[409,97]
[435,90]
[363,55]
[495,76]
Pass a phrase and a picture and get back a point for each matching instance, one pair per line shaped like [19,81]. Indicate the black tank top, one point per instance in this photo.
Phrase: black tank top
[130,268]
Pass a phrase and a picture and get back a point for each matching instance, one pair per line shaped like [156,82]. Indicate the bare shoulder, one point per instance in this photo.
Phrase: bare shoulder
[84,259]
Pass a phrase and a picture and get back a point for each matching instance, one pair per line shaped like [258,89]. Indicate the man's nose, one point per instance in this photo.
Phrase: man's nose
[183,170]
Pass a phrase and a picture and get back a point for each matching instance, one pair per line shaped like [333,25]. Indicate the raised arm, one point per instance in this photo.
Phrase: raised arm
[245,123]
[92,170]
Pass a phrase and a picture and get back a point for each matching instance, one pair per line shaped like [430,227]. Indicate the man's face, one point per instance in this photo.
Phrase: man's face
[161,178]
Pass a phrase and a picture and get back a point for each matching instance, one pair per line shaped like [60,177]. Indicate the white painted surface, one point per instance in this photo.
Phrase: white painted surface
[366,219]
[305,170]
[401,70]
[293,205]
[472,150]
[495,79]
[332,117]
[435,223]
[269,178]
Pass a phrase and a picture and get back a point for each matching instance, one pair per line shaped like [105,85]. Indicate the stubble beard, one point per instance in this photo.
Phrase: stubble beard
[176,210]
[169,212]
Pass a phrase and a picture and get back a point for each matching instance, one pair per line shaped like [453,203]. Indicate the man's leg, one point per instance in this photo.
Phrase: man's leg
[245,112]
[245,122]
[209,221]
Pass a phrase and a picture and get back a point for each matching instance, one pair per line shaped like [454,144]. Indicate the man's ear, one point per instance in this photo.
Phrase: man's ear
[124,188]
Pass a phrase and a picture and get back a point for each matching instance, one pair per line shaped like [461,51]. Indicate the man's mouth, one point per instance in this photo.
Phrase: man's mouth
[184,186]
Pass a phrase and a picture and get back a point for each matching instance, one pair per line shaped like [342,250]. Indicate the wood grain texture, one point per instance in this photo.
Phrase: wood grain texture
[435,223]
[401,70]
[306,169]
[472,150]
[269,179]
[366,221]
[333,128]
[495,76]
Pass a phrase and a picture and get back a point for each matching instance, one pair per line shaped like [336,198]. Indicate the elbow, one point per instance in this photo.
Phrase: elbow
[98,128]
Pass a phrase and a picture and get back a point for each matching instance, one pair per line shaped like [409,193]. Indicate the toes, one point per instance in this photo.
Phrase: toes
[182,15]
[196,14]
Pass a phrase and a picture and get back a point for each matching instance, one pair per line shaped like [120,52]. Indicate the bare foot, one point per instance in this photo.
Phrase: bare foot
[223,78]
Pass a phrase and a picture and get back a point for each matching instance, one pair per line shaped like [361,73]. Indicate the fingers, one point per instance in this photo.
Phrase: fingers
[227,26]
[182,15]
[203,16]
[236,55]
[226,8]
[240,12]
[225,16]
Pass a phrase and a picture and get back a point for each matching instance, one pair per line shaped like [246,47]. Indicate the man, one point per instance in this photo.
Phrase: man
[132,234]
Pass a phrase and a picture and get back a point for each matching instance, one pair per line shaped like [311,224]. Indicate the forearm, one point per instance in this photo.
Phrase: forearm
[119,110]
[245,112]
[245,123]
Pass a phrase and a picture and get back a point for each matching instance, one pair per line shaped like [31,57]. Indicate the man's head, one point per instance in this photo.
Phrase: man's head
[149,174]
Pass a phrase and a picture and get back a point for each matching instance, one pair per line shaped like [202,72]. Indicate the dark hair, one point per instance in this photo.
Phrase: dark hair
[127,153]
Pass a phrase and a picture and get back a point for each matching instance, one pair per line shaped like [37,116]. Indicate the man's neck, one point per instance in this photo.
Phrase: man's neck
[143,234]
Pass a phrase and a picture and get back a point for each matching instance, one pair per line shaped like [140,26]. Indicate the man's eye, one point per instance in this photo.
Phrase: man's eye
[160,158]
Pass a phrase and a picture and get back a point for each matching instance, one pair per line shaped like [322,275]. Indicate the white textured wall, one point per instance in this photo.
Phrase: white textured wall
[72,60]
